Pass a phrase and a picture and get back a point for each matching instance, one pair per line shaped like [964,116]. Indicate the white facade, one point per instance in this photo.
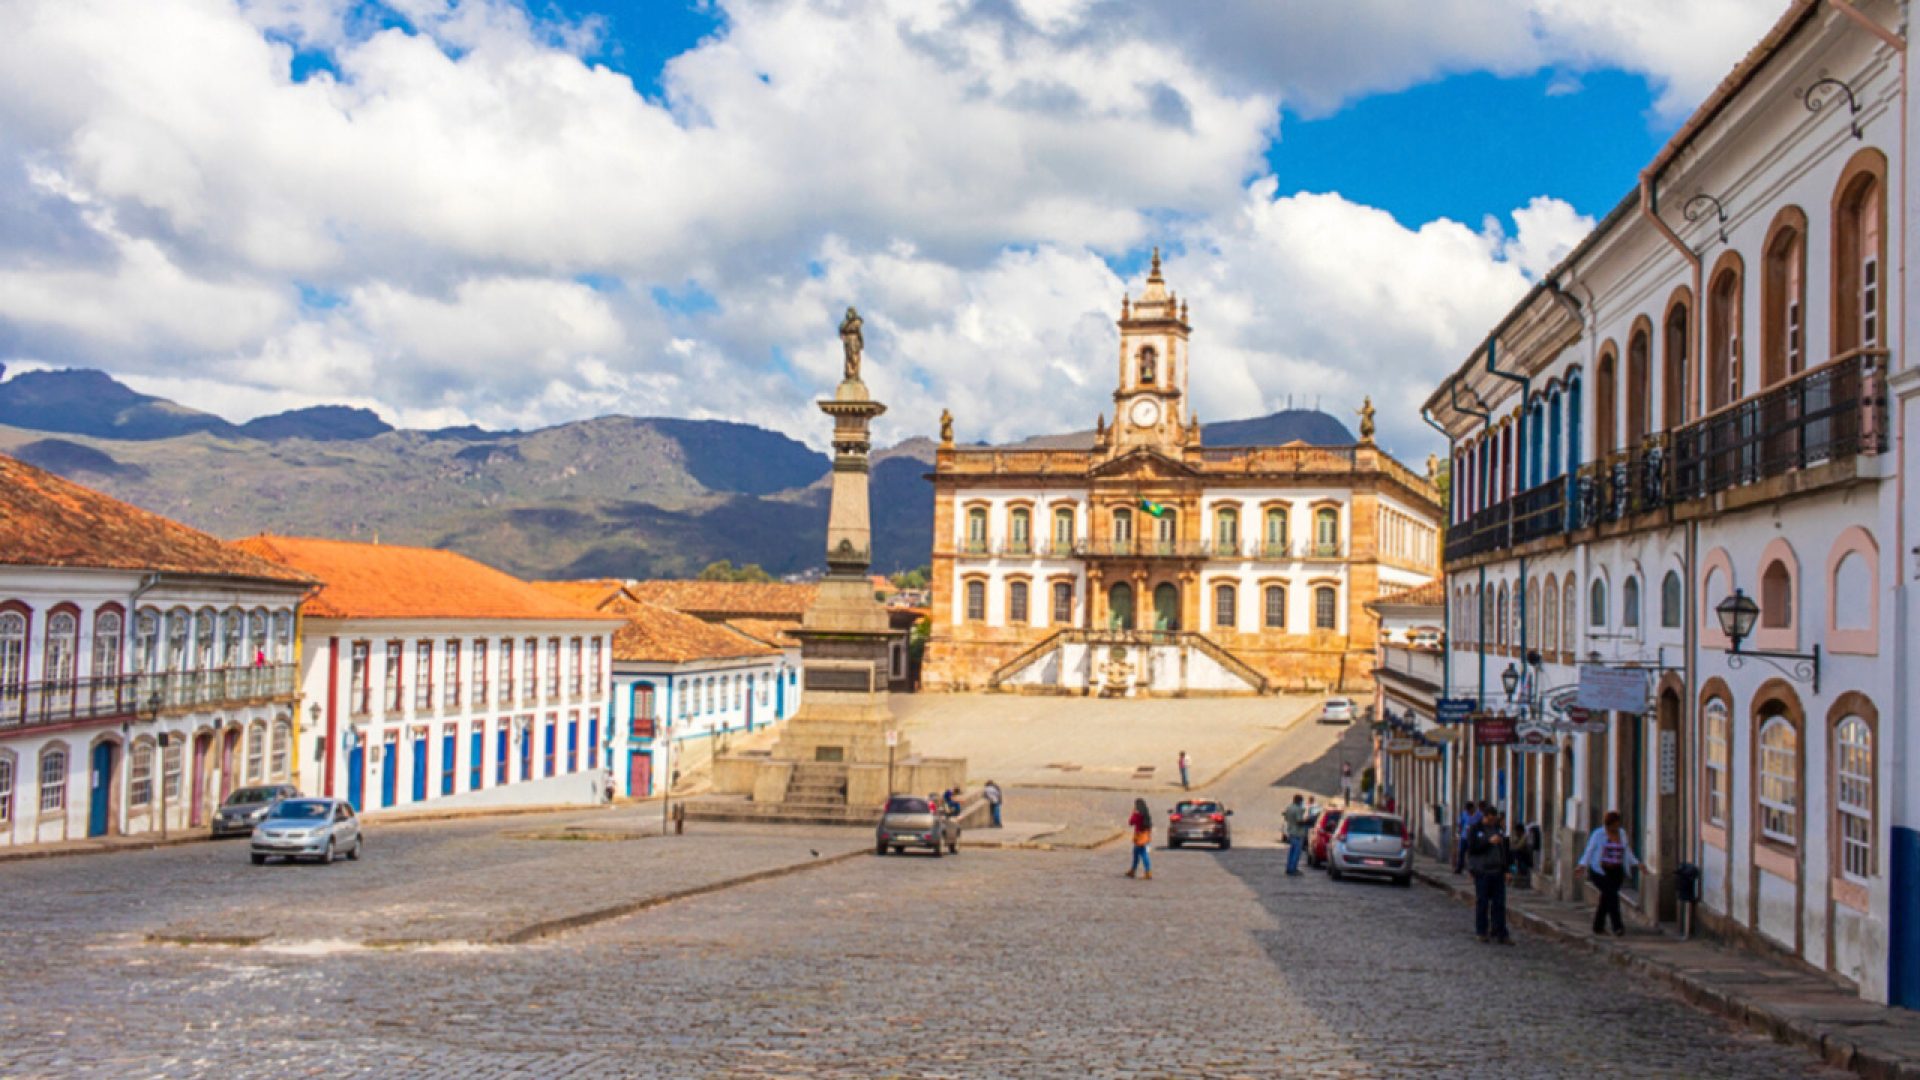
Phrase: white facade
[1743,410]
[446,713]
[668,717]
[97,667]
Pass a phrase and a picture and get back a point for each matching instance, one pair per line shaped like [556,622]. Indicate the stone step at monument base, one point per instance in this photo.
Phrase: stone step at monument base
[739,808]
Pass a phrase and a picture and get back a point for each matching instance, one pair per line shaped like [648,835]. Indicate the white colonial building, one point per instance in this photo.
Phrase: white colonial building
[1709,404]
[432,679]
[146,669]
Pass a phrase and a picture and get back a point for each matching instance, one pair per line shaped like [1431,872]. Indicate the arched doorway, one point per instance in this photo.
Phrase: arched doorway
[1667,859]
[100,784]
[202,774]
[1120,606]
[229,761]
[1166,606]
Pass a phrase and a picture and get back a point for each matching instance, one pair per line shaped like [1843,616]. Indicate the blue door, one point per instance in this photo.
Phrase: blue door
[356,775]
[102,784]
[420,770]
[390,774]
[501,776]
[552,729]
[573,746]
[449,749]
[779,697]
[477,755]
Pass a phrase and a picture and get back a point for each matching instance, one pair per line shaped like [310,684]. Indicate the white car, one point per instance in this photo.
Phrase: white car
[1337,711]
[320,829]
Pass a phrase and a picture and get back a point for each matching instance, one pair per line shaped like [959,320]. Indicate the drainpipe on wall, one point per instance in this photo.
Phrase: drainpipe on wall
[1520,454]
[1650,210]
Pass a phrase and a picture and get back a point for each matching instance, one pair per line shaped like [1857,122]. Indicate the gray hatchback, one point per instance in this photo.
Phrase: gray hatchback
[1371,845]
[914,822]
[321,829]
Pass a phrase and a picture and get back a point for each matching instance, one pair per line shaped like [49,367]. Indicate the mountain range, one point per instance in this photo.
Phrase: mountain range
[611,496]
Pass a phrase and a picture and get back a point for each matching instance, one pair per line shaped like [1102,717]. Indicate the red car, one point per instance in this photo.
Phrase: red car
[1320,836]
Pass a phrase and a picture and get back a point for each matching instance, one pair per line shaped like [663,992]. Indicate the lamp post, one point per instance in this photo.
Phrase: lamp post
[1737,614]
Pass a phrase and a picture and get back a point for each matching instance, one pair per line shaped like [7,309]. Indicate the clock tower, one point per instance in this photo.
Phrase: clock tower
[1149,406]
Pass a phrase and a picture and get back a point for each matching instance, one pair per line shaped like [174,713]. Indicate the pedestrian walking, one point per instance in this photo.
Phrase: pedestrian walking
[1142,825]
[993,801]
[1183,772]
[1469,817]
[1608,861]
[1296,816]
[1489,855]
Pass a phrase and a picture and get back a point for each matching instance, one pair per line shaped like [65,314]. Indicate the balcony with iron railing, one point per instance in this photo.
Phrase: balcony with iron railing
[38,704]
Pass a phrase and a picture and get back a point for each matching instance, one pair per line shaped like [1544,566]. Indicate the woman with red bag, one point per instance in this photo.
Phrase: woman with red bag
[1142,825]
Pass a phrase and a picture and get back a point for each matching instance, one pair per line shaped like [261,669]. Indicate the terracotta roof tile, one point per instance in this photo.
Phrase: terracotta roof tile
[389,581]
[599,594]
[663,635]
[775,632]
[728,599]
[49,521]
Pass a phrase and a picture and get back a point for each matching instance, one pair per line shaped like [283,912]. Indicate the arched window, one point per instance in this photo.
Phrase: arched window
[1120,606]
[1677,334]
[257,635]
[1326,606]
[1567,620]
[1550,616]
[1063,603]
[61,664]
[1776,596]
[1853,774]
[1630,603]
[282,744]
[1783,298]
[1226,531]
[1017,614]
[1149,366]
[1779,769]
[1606,409]
[1020,530]
[1573,422]
[1276,607]
[1224,603]
[1724,304]
[1500,618]
[1062,530]
[6,789]
[1719,737]
[53,779]
[1122,529]
[140,775]
[256,751]
[1859,255]
[977,529]
[106,644]
[1276,540]
[233,641]
[1554,438]
[1536,444]
[1639,390]
[13,657]
[1597,603]
[1670,602]
[178,624]
[976,600]
[1166,530]
[1532,635]
[203,639]
[146,641]
[283,637]
[1326,532]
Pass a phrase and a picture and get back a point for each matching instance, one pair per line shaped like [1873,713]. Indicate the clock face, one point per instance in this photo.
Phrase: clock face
[1145,412]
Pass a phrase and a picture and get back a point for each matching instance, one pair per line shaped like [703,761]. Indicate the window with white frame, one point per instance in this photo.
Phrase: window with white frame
[257,631]
[140,775]
[178,624]
[53,780]
[283,637]
[63,644]
[423,675]
[530,669]
[256,751]
[146,641]
[1779,807]
[281,745]
[480,673]
[170,760]
[357,679]
[233,641]
[394,655]
[1567,619]
[1853,797]
[6,790]
[106,644]
[13,653]
[1718,734]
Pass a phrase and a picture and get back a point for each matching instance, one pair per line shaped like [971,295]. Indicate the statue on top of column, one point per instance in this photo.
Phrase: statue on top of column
[852,341]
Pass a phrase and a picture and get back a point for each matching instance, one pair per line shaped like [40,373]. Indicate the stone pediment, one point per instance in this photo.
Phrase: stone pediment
[1143,462]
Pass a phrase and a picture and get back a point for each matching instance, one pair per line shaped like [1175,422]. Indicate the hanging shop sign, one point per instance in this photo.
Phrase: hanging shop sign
[1534,738]
[1616,689]
[1400,745]
[1579,721]
[1426,753]
[1489,730]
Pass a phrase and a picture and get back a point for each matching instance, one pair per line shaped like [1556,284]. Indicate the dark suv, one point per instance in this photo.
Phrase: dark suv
[246,807]
[1202,821]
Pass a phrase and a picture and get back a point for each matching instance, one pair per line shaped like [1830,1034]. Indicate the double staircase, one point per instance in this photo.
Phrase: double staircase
[1131,639]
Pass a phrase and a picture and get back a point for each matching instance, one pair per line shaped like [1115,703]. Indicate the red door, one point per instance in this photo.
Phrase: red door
[201,745]
[639,774]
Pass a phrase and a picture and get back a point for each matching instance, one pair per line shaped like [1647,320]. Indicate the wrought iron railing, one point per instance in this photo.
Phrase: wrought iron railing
[1487,530]
[63,701]
[1834,411]
[1540,511]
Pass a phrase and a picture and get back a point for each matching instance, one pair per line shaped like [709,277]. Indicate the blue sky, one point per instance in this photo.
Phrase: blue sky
[447,211]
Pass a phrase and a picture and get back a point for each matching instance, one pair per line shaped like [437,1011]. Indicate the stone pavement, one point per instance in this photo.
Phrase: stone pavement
[1787,1003]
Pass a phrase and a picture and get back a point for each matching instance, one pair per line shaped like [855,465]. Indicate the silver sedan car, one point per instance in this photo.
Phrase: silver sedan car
[1371,845]
[320,829]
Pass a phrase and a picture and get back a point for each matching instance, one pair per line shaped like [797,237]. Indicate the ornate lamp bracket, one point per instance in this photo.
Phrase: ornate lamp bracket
[1815,100]
[1800,667]
[1696,209]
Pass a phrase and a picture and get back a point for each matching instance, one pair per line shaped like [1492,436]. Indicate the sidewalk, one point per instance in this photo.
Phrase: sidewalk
[1790,1005]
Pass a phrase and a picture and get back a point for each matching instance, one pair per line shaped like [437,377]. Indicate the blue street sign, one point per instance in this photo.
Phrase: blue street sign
[1452,710]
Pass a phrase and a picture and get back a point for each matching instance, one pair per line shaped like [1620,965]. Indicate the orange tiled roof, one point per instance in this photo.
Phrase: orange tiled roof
[1430,594]
[49,521]
[661,634]
[728,599]
[599,594]
[388,581]
[775,632]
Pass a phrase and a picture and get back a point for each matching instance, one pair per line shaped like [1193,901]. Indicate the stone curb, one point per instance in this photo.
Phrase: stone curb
[1836,1047]
[62,849]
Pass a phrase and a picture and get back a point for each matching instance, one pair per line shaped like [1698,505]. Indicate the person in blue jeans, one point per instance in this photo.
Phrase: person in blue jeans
[994,796]
[1296,816]
[1142,825]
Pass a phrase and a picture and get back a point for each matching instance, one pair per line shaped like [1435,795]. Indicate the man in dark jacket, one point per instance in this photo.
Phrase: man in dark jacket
[1488,857]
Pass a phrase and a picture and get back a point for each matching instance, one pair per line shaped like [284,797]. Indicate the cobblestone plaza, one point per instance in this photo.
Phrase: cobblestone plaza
[999,962]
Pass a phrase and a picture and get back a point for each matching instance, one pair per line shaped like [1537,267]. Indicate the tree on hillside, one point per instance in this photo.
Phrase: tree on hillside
[724,570]
[913,579]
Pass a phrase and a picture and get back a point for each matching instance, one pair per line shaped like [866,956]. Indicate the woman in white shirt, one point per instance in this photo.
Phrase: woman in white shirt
[1608,861]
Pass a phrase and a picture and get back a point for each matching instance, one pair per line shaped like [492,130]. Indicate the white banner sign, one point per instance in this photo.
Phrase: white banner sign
[1610,688]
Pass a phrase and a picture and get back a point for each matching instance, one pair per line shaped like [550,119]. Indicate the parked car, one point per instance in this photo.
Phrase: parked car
[246,807]
[1372,845]
[321,829]
[1320,834]
[1201,820]
[1337,710]
[909,821]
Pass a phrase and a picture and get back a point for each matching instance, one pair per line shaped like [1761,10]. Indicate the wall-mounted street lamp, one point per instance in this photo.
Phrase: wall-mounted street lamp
[1737,615]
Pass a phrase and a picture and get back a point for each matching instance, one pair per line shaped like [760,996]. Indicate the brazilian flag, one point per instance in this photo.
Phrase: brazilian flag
[1153,508]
